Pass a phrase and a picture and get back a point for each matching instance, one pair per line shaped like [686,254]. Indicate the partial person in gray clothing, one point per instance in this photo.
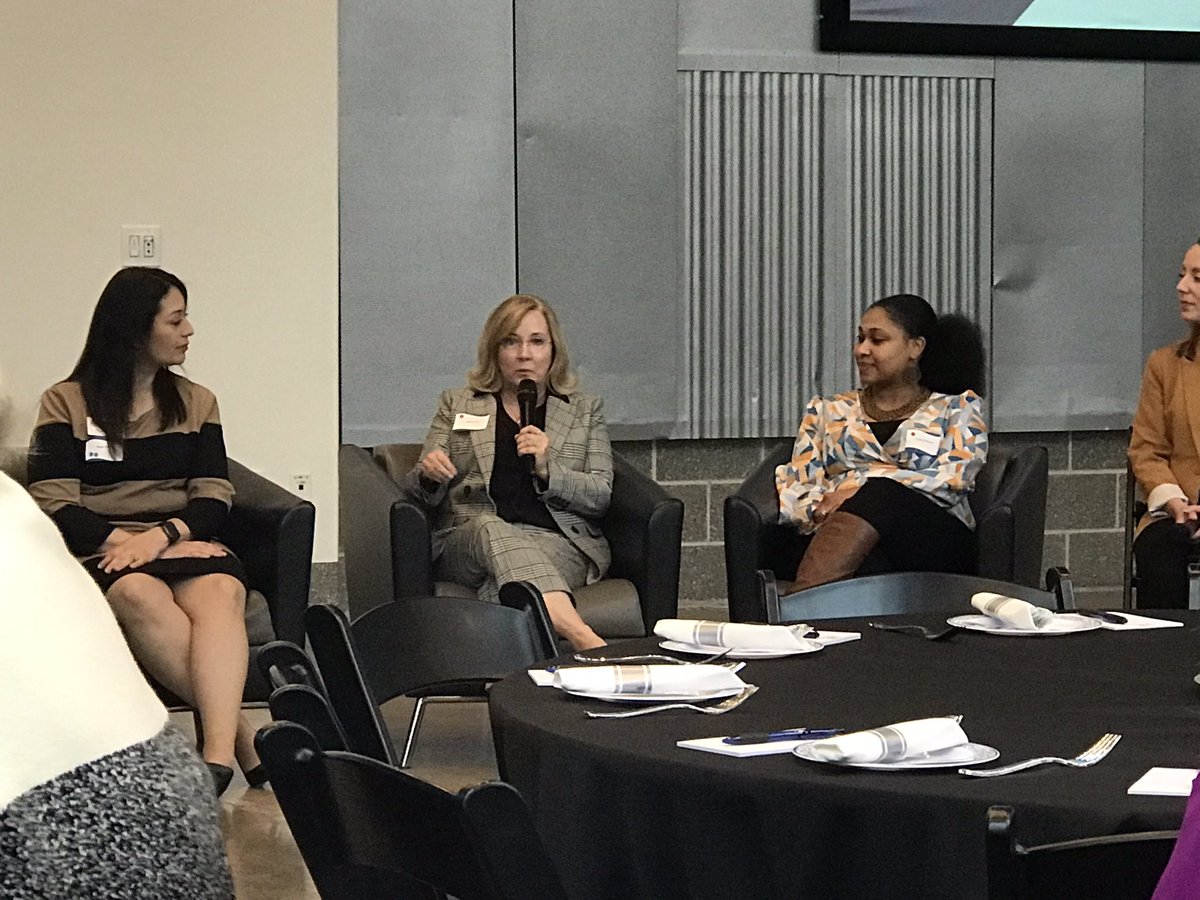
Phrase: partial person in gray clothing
[515,502]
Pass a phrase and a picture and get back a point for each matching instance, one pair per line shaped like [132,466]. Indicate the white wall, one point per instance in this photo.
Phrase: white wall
[216,120]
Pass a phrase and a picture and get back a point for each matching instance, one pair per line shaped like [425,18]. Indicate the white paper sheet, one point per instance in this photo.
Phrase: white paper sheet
[1161,781]
[1139,623]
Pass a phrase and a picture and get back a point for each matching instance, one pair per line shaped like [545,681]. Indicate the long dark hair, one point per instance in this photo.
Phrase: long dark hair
[953,359]
[116,341]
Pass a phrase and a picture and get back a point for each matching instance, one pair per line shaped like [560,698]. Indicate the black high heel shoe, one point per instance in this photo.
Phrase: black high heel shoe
[257,777]
[221,776]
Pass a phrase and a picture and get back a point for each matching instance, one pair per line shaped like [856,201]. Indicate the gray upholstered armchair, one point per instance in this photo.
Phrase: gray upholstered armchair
[389,555]
[1009,503]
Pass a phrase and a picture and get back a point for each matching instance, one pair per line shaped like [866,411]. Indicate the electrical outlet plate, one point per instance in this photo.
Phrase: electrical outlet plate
[141,245]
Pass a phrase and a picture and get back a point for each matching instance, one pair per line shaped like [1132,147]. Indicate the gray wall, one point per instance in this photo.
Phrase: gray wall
[1092,206]
[457,190]
[1067,244]
[1092,168]
[426,201]
[597,231]
[1172,219]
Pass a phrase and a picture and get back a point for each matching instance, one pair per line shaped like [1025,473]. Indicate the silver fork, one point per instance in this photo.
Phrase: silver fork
[1088,757]
[580,657]
[715,710]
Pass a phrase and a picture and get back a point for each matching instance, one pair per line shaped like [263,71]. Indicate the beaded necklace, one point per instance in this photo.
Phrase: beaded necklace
[867,402]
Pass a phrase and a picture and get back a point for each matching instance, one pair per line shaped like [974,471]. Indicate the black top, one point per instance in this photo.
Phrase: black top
[512,487]
[883,431]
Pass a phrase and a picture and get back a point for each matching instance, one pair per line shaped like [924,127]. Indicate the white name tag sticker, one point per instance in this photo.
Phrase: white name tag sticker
[96,448]
[922,441]
[468,422]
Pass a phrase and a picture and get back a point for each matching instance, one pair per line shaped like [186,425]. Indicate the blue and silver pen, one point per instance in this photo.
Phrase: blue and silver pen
[786,734]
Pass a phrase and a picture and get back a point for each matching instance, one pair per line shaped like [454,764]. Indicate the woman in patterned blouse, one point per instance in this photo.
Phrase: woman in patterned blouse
[879,477]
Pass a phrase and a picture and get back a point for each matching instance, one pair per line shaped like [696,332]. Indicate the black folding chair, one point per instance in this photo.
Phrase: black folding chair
[283,662]
[428,648]
[1112,867]
[367,830]
[901,592]
[305,706]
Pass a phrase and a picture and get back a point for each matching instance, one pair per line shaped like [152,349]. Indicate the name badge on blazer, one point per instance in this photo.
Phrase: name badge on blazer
[96,448]
[921,441]
[468,422]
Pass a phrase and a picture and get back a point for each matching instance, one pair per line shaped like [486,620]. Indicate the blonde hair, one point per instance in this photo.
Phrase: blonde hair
[503,321]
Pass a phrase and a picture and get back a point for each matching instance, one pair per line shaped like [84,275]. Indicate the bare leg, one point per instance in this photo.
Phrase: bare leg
[567,622]
[158,631]
[215,604]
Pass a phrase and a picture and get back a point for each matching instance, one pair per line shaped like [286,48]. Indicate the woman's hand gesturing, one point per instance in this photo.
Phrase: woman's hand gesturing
[436,467]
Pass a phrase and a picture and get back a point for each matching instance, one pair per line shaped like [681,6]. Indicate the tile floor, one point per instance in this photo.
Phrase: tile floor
[453,750]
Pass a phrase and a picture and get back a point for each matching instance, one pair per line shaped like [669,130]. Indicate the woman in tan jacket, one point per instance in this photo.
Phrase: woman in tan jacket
[1164,457]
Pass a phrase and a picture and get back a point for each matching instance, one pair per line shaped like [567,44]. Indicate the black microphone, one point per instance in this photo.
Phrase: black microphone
[527,403]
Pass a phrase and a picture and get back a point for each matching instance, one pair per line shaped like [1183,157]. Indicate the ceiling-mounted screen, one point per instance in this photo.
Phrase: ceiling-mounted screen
[1098,29]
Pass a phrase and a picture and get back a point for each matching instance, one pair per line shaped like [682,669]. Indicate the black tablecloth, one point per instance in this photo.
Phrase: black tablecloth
[628,814]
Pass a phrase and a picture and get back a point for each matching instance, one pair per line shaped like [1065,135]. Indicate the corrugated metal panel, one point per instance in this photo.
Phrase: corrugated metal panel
[752,217]
[901,194]
[916,189]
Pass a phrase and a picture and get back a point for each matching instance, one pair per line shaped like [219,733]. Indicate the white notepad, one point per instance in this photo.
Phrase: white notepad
[1161,781]
[1139,623]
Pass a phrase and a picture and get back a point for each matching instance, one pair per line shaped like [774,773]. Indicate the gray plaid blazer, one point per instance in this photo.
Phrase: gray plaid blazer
[580,461]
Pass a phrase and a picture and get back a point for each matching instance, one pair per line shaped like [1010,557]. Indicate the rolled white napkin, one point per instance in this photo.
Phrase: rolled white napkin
[1011,611]
[892,742]
[732,635]
[666,679]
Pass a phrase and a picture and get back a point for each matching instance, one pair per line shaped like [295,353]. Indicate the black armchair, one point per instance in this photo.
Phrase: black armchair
[271,531]
[1009,502]
[643,525]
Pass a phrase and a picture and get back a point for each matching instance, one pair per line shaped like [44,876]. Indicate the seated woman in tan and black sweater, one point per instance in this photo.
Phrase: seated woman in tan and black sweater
[128,459]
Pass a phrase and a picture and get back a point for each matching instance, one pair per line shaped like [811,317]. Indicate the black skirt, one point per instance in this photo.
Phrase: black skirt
[171,570]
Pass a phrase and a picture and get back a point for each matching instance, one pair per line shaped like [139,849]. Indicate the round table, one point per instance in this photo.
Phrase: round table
[627,814]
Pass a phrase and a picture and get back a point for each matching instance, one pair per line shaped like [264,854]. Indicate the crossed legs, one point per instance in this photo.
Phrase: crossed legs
[192,638]
[487,552]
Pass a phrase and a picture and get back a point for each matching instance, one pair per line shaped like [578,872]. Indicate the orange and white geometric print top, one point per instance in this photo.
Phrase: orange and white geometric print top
[938,450]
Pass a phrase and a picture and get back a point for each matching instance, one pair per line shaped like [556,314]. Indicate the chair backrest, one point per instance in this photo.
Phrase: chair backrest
[1113,867]
[644,530]
[306,706]
[895,593]
[282,662]
[366,499]
[368,830]
[1009,503]
[354,704]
